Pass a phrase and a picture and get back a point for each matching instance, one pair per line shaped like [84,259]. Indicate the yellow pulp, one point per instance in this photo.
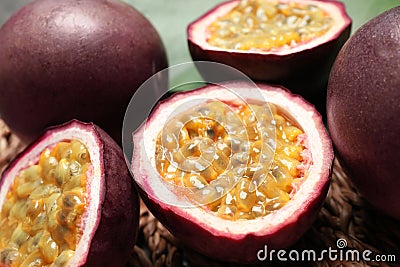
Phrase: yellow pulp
[232,158]
[39,220]
[267,25]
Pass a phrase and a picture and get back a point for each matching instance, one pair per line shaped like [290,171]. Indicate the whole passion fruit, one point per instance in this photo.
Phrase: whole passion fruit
[363,109]
[228,173]
[289,42]
[68,200]
[69,59]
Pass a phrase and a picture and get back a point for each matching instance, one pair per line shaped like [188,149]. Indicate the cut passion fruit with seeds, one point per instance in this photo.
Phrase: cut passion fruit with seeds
[68,200]
[208,139]
[289,42]
[236,180]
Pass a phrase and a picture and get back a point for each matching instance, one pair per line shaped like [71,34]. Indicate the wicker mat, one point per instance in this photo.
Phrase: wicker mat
[344,215]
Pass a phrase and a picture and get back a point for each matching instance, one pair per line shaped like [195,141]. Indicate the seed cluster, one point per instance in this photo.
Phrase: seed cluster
[240,160]
[39,221]
[268,25]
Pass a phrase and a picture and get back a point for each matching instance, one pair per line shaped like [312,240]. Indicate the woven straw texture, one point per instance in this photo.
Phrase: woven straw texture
[344,215]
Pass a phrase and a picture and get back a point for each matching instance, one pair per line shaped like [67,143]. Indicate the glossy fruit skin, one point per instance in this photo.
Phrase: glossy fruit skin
[70,59]
[363,108]
[117,229]
[201,235]
[304,72]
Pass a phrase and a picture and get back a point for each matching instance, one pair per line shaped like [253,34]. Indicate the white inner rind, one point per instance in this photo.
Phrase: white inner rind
[198,30]
[88,224]
[316,178]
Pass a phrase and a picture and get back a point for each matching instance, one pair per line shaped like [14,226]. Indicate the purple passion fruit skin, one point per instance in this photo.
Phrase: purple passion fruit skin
[204,230]
[363,109]
[109,224]
[303,68]
[63,60]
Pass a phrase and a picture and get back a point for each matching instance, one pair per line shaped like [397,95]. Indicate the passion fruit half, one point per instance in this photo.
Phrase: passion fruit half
[68,59]
[288,42]
[68,200]
[228,172]
[363,109]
